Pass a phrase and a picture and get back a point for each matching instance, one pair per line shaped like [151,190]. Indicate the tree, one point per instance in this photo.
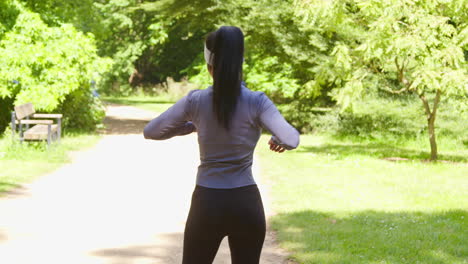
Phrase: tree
[399,46]
[48,65]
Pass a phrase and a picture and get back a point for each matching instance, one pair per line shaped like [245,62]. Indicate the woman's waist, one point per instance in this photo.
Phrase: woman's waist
[225,177]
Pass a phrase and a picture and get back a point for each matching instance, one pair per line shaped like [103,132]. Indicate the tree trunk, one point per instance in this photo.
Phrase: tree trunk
[432,137]
[431,117]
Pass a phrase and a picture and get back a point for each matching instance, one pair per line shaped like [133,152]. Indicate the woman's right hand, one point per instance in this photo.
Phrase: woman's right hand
[275,147]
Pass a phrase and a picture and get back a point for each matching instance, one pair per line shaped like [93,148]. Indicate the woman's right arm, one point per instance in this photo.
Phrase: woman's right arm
[270,118]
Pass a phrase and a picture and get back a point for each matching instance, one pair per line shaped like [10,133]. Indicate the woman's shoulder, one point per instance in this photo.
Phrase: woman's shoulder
[198,96]
[257,95]
[259,98]
[194,93]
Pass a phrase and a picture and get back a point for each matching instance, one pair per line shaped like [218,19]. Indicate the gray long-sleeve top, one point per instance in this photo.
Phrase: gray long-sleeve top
[226,156]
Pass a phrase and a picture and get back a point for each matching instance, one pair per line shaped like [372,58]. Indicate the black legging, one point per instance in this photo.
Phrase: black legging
[215,213]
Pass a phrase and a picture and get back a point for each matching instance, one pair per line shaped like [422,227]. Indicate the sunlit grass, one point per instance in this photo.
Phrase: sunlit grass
[156,104]
[21,163]
[342,202]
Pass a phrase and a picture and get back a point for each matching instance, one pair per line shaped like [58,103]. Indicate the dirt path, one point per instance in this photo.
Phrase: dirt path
[124,201]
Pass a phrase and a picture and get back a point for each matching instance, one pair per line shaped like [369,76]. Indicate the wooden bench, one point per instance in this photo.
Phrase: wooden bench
[41,129]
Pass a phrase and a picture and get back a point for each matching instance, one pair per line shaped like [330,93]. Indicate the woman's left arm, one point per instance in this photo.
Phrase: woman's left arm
[175,121]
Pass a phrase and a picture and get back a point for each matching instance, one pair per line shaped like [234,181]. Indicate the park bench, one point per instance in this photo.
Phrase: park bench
[35,129]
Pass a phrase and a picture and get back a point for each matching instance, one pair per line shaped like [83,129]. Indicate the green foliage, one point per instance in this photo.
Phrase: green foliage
[378,118]
[394,46]
[8,14]
[45,65]
[198,72]
[78,117]
[301,116]
[124,37]
[391,45]
[388,120]
[55,12]
[146,40]
[266,75]
[272,77]
[6,106]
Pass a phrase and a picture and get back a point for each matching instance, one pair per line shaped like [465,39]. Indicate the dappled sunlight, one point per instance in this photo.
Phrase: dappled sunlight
[145,103]
[440,256]
[148,253]
[343,199]
[122,120]
[374,236]
[119,126]
[321,257]
[376,150]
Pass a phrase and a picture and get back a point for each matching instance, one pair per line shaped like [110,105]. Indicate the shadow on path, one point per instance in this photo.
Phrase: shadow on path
[125,120]
[14,190]
[170,253]
[3,237]
[119,126]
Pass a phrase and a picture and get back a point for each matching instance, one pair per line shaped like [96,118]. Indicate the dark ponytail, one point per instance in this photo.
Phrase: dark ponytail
[227,46]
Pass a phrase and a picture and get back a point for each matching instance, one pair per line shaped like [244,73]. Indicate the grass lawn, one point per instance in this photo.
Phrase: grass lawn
[156,104]
[340,202]
[21,163]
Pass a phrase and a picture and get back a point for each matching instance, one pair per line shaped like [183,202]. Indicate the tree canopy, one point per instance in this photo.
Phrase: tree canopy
[44,64]
[396,46]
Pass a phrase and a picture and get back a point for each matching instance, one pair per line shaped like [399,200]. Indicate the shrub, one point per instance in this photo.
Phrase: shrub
[378,119]
[375,117]
[6,106]
[82,110]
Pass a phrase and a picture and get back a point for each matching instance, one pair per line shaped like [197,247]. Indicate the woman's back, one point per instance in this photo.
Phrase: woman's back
[226,154]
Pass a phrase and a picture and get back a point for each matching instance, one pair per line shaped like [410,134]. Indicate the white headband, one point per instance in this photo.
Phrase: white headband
[209,56]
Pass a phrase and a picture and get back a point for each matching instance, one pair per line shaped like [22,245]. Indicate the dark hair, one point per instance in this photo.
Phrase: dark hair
[227,46]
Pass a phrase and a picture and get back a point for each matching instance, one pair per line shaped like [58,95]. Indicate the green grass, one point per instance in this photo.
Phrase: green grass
[21,163]
[156,104]
[341,202]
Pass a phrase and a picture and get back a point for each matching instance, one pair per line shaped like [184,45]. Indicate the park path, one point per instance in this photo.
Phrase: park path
[123,201]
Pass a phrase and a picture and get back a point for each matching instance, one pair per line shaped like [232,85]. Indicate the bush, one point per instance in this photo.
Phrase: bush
[8,15]
[78,117]
[378,119]
[6,106]
[375,118]
[302,119]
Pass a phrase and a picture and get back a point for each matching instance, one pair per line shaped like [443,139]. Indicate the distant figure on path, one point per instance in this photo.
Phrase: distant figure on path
[228,118]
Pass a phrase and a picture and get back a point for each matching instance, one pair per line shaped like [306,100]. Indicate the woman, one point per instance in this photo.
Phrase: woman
[228,118]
